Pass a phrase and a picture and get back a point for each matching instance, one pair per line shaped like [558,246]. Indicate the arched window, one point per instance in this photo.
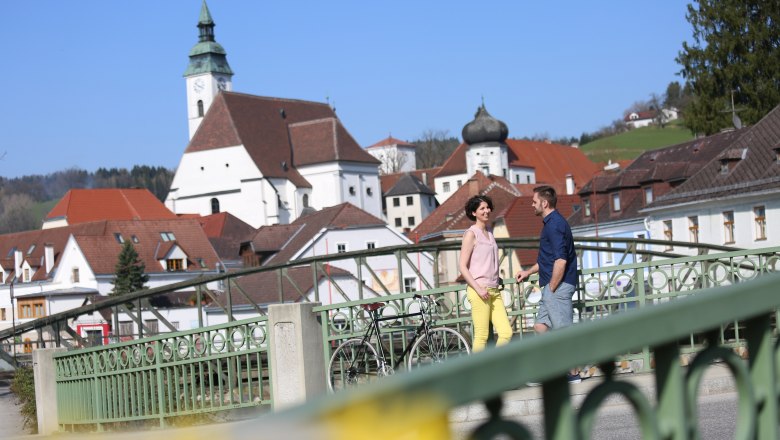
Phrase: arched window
[200,108]
[305,200]
[214,206]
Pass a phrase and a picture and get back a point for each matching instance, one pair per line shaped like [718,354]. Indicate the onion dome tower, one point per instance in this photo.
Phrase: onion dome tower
[486,140]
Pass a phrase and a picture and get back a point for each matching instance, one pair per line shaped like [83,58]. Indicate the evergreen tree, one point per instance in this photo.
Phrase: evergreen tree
[736,50]
[130,275]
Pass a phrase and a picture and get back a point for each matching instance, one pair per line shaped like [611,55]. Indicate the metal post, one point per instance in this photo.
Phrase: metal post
[13,322]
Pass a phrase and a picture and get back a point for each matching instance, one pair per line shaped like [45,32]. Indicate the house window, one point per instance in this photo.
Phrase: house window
[668,234]
[74,275]
[777,155]
[341,248]
[410,220]
[446,187]
[517,178]
[135,239]
[693,228]
[608,254]
[759,213]
[214,206]
[31,308]
[486,171]
[728,226]
[460,183]
[125,328]
[305,200]
[26,275]
[118,237]
[152,327]
[398,222]
[174,264]
[167,236]
[648,195]
[409,284]
[528,179]
[370,245]
[616,202]
[200,108]
[2,314]
[396,201]
[724,167]
[586,202]
[201,263]
[409,201]
[30,249]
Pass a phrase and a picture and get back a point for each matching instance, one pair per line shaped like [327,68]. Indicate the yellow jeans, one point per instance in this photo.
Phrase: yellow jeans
[484,311]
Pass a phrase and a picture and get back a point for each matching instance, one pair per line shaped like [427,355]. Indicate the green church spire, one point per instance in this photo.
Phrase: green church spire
[207,56]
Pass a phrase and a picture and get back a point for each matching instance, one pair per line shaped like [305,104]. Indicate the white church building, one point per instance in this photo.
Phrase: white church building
[263,159]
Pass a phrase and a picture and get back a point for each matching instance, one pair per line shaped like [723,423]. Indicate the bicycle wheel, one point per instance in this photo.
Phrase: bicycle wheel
[438,345]
[353,363]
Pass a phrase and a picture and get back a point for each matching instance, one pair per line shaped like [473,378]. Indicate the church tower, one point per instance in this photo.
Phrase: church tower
[208,72]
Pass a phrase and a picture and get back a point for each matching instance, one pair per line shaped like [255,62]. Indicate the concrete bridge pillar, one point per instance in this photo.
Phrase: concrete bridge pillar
[45,374]
[295,352]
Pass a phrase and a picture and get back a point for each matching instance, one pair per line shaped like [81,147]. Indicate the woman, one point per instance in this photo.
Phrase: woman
[479,267]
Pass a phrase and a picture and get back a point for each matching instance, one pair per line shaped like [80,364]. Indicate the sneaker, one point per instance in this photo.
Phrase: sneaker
[574,378]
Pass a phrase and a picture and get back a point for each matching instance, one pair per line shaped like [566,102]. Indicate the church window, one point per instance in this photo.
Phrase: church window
[214,205]
[200,108]
[352,190]
[369,191]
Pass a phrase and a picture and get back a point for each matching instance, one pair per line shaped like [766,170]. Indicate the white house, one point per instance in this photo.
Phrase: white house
[408,202]
[396,155]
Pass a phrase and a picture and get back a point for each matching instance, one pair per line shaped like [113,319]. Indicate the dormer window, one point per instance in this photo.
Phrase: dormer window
[30,249]
[118,237]
[167,236]
[586,203]
[777,155]
[26,275]
[724,166]
[648,195]
[174,264]
[615,202]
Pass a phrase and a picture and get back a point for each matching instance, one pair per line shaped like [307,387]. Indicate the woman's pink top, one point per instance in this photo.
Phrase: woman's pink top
[483,265]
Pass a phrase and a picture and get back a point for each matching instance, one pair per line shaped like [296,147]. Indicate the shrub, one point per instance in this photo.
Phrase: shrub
[23,385]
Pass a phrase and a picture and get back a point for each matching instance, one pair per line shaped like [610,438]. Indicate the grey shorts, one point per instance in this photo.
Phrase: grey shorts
[555,309]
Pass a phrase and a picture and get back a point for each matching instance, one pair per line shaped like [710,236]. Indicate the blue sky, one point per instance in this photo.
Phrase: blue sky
[96,83]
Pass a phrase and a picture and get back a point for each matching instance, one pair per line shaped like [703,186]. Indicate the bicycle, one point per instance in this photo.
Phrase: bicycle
[357,361]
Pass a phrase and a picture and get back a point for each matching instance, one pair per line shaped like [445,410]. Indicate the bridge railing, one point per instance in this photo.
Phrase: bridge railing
[217,368]
[417,405]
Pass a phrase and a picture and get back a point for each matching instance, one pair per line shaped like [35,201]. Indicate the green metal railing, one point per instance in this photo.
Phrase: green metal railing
[217,368]
[416,405]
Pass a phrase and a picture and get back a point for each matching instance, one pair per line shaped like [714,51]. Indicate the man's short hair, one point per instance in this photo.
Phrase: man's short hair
[473,204]
[547,192]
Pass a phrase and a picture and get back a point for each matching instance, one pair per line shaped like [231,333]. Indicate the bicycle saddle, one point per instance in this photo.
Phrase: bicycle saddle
[373,306]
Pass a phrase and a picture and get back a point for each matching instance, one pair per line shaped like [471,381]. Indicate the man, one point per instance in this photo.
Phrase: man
[556,265]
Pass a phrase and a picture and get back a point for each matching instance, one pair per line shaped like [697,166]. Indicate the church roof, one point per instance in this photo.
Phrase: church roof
[278,134]
[86,205]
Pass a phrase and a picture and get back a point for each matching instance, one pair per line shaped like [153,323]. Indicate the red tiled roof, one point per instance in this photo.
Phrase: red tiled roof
[262,125]
[551,162]
[226,232]
[522,222]
[256,285]
[87,205]
[449,216]
[391,141]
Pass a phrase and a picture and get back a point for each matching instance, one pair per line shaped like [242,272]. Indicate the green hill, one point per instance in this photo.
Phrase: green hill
[632,143]
[42,208]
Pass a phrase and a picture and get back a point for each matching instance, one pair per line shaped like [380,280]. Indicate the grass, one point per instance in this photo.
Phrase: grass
[632,143]
[40,210]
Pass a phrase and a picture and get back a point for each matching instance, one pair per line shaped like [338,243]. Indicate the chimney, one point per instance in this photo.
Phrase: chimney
[569,184]
[18,260]
[48,256]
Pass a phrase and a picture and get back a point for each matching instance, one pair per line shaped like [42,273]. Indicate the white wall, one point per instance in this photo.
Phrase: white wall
[331,183]
[391,154]
[522,175]
[494,157]
[421,207]
[438,185]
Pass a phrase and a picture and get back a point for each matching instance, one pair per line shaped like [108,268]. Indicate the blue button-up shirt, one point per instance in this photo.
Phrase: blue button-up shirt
[556,242]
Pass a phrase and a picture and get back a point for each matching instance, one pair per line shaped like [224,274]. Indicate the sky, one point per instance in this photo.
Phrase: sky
[96,83]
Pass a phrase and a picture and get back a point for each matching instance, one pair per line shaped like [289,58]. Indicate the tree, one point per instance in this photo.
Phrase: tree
[392,161]
[130,275]
[735,49]
[16,214]
[434,147]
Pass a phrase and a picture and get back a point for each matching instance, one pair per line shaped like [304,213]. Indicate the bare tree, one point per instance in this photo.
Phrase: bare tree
[434,147]
[392,161]
[16,214]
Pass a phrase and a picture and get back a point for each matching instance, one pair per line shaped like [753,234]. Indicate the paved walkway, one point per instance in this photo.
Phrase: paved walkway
[11,422]
[525,402]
